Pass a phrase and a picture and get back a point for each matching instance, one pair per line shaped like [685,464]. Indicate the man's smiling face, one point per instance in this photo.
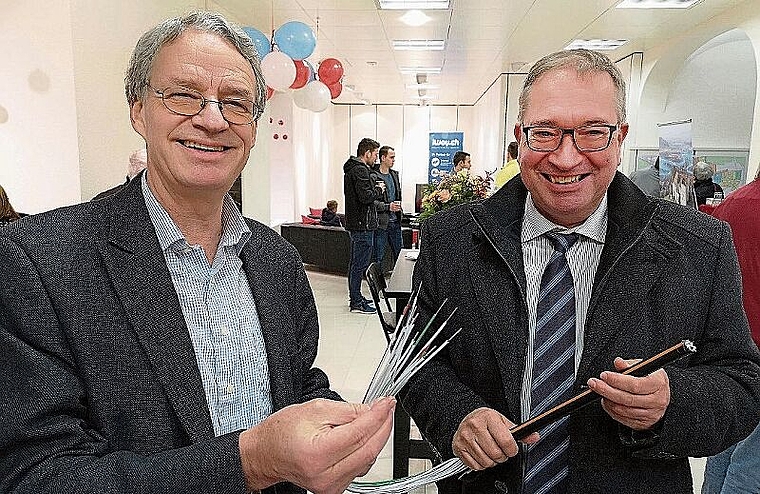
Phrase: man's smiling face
[201,152]
[567,185]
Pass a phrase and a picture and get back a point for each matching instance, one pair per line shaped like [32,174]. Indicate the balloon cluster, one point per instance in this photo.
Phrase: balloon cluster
[287,67]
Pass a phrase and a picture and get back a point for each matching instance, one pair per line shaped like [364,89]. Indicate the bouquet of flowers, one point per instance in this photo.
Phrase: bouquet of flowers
[452,190]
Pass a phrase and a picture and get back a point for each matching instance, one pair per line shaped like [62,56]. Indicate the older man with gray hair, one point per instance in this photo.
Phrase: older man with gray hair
[157,341]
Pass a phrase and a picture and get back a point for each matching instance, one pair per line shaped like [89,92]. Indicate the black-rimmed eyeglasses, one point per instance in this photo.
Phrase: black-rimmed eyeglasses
[189,102]
[587,138]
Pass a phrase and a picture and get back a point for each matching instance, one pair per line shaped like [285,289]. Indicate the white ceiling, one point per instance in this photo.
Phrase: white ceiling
[483,38]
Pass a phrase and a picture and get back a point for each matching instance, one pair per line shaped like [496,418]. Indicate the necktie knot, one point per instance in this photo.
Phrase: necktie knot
[562,241]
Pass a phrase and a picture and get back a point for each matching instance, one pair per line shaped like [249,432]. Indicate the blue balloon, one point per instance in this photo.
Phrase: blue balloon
[260,41]
[295,39]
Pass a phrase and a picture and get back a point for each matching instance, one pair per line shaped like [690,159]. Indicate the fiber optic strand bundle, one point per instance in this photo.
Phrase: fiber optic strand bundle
[455,466]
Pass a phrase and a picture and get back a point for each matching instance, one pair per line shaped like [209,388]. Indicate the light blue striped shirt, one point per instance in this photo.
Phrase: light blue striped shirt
[221,316]
[582,258]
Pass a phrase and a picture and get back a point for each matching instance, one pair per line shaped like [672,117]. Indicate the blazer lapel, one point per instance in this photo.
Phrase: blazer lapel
[498,279]
[261,273]
[137,267]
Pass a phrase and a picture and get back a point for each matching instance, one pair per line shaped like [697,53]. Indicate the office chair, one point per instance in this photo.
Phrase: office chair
[376,282]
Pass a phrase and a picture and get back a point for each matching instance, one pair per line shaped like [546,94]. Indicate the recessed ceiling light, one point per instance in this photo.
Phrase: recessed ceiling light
[422,86]
[657,4]
[418,44]
[597,44]
[414,18]
[413,4]
[420,70]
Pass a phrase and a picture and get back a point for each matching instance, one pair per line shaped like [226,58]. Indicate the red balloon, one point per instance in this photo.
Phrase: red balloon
[330,71]
[270,92]
[302,75]
[335,89]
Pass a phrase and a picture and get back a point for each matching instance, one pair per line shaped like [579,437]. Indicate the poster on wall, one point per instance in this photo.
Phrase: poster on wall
[677,163]
[729,167]
[442,147]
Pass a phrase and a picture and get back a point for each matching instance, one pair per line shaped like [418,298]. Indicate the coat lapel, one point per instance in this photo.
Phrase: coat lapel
[632,240]
[498,279]
[137,267]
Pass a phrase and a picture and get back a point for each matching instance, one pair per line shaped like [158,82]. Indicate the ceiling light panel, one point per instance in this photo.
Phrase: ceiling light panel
[419,44]
[413,4]
[420,70]
[415,18]
[597,44]
[657,4]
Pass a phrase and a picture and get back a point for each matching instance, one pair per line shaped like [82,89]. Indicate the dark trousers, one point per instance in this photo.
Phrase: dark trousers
[390,236]
[361,256]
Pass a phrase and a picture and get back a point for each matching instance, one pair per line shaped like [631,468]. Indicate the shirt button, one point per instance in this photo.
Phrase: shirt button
[225,331]
[230,388]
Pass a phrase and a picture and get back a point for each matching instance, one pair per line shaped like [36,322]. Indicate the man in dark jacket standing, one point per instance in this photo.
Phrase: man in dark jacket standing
[545,274]
[360,193]
[389,207]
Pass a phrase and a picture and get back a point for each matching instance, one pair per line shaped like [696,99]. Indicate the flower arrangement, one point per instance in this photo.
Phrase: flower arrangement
[452,190]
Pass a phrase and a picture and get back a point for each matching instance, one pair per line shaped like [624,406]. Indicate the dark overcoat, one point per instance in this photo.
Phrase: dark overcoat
[667,273]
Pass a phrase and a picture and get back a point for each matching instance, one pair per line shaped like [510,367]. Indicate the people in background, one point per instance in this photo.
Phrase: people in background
[704,187]
[7,213]
[161,342]
[648,179]
[361,191]
[560,280]
[138,161]
[330,214]
[510,169]
[461,161]
[388,208]
[737,469]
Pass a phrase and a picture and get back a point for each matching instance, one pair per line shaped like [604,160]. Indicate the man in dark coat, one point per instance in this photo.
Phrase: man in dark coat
[361,192]
[156,341]
[639,286]
[388,208]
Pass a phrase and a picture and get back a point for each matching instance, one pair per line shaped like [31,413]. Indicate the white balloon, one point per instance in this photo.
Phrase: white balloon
[301,98]
[278,69]
[318,96]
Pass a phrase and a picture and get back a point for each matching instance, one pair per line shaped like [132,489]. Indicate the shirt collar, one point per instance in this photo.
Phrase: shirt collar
[235,231]
[535,224]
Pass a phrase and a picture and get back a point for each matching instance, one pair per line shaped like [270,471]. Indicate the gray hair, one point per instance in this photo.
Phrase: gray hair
[584,62]
[144,55]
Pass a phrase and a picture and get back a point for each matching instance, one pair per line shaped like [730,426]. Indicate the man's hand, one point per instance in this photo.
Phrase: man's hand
[394,207]
[320,445]
[483,439]
[380,184]
[636,402]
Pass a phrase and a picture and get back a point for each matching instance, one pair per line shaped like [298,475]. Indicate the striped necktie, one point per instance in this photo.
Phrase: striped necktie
[553,370]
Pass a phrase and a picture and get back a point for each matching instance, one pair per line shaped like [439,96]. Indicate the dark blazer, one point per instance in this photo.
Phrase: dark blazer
[99,383]
[382,206]
[666,273]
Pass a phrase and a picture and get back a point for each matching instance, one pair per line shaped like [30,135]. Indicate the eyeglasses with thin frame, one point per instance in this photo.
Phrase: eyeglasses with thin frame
[189,102]
[587,138]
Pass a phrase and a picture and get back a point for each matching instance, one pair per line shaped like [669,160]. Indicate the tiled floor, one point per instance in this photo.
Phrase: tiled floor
[350,348]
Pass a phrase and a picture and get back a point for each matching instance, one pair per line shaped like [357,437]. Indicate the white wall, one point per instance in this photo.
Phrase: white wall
[39,159]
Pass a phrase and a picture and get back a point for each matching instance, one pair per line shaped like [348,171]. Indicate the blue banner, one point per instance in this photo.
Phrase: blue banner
[443,146]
